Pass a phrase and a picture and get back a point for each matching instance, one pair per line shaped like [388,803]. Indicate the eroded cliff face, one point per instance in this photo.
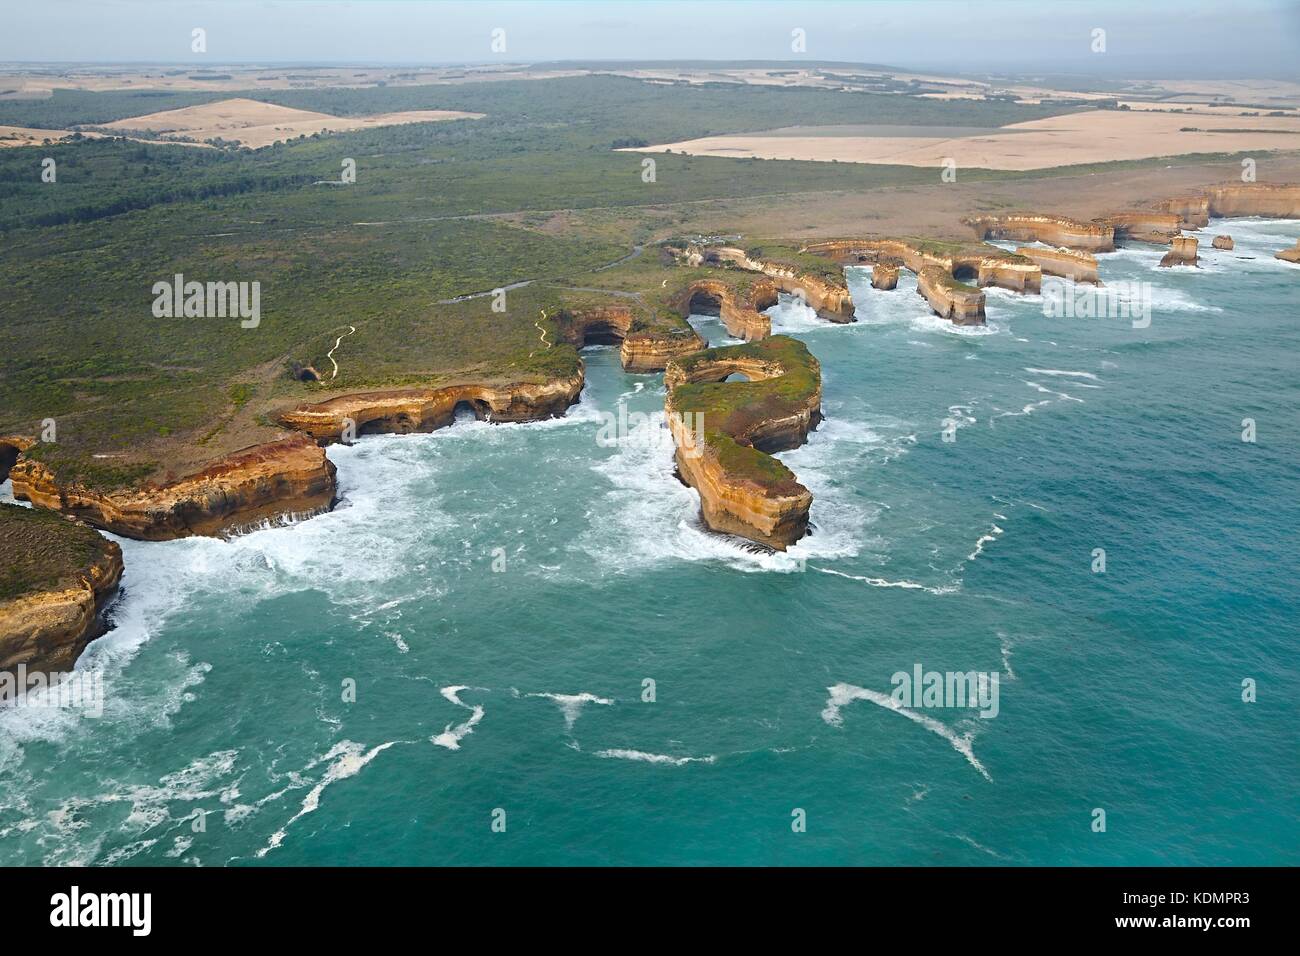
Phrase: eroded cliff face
[1182,252]
[884,276]
[1270,200]
[988,266]
[830,299]
[1053,230]
[725,435]
[1144,225]
[288,477]
[405,410]
[48,629]
[646,350]
[1193,212]
[950,299]
[741,311]
[11,446]
[1078,266]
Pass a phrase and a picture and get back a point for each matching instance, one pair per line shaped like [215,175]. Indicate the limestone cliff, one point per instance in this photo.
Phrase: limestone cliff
[290,476]
[884,276]
[987,265]
[1143,225]
[1222,242]
[1182,252]
[949,298]
[1270,200]
[828,297]
[1193,212]
[55,575]
[1052,230]
[1079,266]
[739,306]
[640,349]
[11,446]
[725,433]
[404,410]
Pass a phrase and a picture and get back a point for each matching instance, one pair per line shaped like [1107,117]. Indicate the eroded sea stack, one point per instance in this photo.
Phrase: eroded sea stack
[56,575]
[1182,252]
[725,433]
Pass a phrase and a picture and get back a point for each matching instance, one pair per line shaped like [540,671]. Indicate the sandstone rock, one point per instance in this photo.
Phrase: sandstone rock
[1289,255]
[739,307]
[641,350]
[405,410]
[290,476]
[1079,266]
[1053,230]
[1182,252]
[48,623]
[1222,242]
[884,276]
[725,434]
[1193,212]
[1144,225]
[949,298]
[1274,200]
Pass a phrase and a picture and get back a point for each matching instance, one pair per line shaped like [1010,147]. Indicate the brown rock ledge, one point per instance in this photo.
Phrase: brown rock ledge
[725,433]
[288,476]
[55,576]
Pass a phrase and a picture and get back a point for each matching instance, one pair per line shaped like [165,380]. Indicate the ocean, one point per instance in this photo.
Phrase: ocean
[516,644]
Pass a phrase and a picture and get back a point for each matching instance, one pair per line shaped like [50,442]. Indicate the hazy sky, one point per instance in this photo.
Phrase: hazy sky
[1143,37]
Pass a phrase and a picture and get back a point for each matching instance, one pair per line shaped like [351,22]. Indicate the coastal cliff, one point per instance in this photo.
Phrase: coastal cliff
[1052,230]
[1182,252]
[55,577]
[640,349]
[404,410]
[290,476]
[987,265]
[949,298]
[739,305]
[827,295]
[1144,225]
[725,433]
[1269,200]
[1193,212]
[1078,266]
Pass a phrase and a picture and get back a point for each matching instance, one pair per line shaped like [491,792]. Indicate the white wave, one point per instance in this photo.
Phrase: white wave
[644,757]
[843,694]
[983,540]
[883,583]
[571,705]
[452,736]
[350,758]
[1061,372]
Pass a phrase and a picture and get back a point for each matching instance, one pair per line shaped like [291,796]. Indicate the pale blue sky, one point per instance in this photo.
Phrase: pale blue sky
[1144,37]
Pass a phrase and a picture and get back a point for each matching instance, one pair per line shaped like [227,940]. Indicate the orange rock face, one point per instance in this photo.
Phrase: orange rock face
[1289,255]
[1144,225]
[1053,230]
[741,312]
[829,299]
[1275,200]
[1222,242]
[1193,212]
[406,410]
[641,351]
[1079,266]
[884,276]
[1182,252]
[291,476]
[948,298]
[767,506]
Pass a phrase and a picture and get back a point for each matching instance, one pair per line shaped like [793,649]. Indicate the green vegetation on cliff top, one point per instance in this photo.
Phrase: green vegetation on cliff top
[43,550]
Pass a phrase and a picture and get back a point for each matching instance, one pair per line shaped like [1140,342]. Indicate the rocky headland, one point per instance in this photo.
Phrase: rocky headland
[1064,263]
[56,575]
[725,433]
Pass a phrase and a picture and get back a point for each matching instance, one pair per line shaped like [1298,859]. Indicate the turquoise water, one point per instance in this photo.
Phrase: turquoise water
[1119,690]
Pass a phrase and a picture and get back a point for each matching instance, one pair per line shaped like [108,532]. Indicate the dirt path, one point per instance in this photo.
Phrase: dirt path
[330,355]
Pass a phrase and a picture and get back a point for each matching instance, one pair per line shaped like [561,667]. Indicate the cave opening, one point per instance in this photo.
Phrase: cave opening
[965,273]
[705,303]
